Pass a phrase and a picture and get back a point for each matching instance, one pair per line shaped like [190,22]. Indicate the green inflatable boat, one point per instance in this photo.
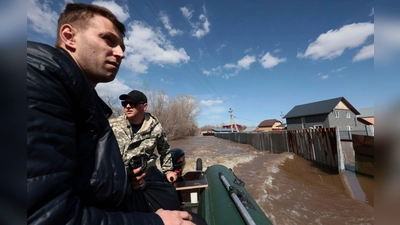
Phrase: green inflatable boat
[219,197]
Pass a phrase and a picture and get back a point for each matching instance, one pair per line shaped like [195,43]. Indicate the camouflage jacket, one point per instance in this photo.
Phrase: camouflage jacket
[149,136]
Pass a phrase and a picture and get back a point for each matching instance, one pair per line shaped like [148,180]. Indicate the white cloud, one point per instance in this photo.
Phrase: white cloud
[217,69]
[214,71]
[246,61]
[201,28]
[187,13]
[230,66]
[114,88]
[211,102]
[372,12]
[220,48]
[365,53]
[121,12]
[41,18]
[340,69]
[243,63]
[145,45]
[268,61]
[200,53]
[228,75]
[167,24]
[324,77]
[166,81]
[248,50]
[333,43]
[206,72]
[277,50]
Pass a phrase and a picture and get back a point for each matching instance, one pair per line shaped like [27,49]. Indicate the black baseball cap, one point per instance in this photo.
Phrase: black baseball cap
[135,95]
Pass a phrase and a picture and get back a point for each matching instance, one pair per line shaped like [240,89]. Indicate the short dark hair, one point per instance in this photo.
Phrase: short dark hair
[78,14]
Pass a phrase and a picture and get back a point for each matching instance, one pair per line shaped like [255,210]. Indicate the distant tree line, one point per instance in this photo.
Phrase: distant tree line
[177,115]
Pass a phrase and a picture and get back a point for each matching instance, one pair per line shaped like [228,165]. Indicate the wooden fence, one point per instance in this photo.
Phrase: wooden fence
[321,146]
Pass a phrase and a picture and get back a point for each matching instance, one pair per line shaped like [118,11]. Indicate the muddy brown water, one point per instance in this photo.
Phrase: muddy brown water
[290,189]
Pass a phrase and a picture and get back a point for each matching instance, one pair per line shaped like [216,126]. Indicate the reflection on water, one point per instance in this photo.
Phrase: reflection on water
[290,189]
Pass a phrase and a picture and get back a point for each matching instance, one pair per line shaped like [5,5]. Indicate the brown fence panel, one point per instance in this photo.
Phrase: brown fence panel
[293,146]
[317,145]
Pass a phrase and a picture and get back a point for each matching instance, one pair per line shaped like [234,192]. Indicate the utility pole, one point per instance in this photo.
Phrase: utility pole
[282,115]
[233,121]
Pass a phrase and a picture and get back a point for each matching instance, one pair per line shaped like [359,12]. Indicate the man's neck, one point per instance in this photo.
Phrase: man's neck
[136,119]
[70,52]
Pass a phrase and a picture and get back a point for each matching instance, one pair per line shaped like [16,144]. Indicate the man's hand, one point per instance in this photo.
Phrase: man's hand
[171,176]
[136,178]
[175,217]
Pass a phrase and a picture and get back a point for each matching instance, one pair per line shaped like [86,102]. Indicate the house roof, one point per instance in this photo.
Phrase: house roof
[229,126]
[317,108]
[367,120]
[366,112]
[223,130]
[268,123]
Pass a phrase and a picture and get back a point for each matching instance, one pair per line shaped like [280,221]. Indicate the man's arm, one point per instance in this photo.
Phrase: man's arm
[163,149]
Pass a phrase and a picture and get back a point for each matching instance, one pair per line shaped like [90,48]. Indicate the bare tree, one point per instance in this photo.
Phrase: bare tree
[177,116]
[207,127]
[114,104]
[157,103]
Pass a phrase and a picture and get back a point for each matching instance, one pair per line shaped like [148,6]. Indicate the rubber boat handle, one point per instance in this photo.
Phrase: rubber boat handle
[239,205]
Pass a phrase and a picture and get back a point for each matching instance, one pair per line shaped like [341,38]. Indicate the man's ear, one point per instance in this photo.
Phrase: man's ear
[67,36]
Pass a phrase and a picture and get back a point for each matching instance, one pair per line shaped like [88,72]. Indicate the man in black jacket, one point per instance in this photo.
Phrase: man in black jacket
[75,174]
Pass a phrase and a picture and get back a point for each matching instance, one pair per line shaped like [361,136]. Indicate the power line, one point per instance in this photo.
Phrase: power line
[247,119]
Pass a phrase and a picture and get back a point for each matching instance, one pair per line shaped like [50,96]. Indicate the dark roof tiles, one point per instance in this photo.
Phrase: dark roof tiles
[317,108]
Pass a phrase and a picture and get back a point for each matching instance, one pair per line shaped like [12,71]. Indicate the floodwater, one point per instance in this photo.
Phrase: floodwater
[290,189]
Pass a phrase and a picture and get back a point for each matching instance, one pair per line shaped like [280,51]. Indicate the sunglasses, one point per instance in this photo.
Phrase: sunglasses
[132,104]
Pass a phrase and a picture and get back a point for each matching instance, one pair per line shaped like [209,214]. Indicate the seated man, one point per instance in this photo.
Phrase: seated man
[138,134]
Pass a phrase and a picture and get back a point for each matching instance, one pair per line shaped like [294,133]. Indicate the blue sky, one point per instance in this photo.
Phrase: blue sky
[260,58]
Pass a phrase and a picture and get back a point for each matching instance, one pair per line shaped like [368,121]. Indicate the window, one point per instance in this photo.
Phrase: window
[348,115]
[336,114]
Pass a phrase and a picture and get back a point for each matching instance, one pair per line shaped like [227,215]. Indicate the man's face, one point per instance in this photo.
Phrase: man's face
[132,111]
[99,50]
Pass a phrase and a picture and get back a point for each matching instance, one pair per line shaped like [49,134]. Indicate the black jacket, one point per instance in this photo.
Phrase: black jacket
[75,173]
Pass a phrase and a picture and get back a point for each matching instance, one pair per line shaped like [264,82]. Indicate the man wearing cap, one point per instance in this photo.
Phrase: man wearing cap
[139,132]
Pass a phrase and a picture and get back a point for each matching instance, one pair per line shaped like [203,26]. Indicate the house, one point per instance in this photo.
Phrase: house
[240,127]
[336,112]
[366,116]
[269,125]
[249,129]
[223,130]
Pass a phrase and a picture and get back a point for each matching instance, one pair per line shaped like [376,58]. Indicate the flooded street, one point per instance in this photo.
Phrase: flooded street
[290,189]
